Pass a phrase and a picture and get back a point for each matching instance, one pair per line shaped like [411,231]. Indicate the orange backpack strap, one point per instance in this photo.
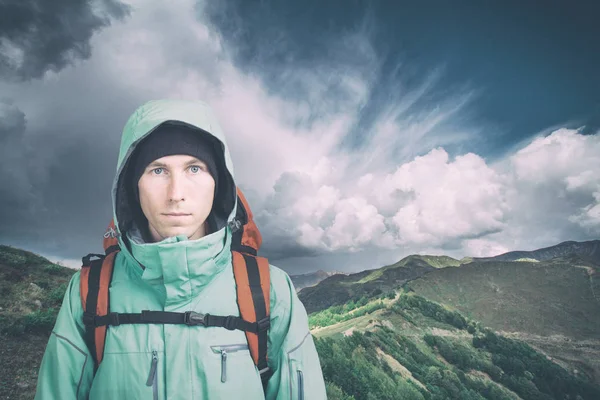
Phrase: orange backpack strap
[253,283]
[246,237]
[253,296]
[94,283]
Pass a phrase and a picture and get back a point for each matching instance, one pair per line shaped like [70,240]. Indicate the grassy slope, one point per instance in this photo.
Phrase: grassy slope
[434,261]
[31,290]
[409,327]
[340,289]
[530,297]
[552,305]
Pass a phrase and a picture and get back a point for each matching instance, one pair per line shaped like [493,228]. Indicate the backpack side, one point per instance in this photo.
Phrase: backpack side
[94,283]
[253,281]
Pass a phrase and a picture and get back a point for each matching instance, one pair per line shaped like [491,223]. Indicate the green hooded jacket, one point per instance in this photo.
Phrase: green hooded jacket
[154,361]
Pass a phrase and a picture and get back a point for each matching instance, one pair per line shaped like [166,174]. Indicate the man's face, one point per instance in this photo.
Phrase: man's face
[176,195]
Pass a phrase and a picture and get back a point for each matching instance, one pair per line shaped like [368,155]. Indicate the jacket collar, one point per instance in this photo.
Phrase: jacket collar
[185,267]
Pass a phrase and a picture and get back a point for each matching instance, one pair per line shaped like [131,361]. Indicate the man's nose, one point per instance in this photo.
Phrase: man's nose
[176,188]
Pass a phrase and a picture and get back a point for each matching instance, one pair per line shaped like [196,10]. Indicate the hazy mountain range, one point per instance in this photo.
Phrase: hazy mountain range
[312,278]
[548,298]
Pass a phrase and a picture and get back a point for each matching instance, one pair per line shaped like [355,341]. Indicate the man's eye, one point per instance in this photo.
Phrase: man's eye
[157,171]
[195,169]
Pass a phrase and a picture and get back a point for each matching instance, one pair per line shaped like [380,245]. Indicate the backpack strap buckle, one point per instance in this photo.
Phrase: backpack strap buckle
[264,324]
[230,322]
[193,318]
[114,319]
[85,261]
[89,319]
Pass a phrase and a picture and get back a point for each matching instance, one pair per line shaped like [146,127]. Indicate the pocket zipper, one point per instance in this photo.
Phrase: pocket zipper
[224,350]
[223,366]
[300,385]
[152,378]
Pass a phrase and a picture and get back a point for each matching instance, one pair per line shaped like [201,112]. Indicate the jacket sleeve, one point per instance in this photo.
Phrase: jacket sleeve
[66,371]
[292,354]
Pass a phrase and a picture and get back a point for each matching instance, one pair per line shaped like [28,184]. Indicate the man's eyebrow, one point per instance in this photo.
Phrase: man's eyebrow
[194,161]
[158,164]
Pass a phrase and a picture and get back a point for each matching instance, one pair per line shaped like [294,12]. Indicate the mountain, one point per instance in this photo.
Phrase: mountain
[558,295]
[339,289]
[588,251]
[408,347]
[310,279]
[554,305]
[434,261]
[426,327]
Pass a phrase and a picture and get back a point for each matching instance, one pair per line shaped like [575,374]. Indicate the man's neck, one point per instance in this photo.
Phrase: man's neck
[154,236]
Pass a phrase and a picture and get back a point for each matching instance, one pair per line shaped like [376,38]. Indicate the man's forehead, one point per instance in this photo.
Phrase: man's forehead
[177,159]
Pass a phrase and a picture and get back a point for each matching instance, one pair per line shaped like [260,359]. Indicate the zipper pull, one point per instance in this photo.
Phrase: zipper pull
[110,233]
[235,225]
[223,365]
[153,366]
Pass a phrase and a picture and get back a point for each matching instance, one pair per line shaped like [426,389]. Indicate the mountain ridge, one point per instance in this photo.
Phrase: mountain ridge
[587,250]
[425,327]
[301,281]
[540,302]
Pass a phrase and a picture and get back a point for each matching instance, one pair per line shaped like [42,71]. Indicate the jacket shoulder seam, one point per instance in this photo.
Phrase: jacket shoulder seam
[84,363]
[301,343]
[71,343]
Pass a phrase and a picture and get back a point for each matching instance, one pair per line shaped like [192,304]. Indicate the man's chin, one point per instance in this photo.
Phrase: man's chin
[173,231]
[178,233]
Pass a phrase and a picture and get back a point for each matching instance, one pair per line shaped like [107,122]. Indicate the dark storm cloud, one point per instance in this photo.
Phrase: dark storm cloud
[54,194]
[12,120]
[77,197]
[40,35]
[59,139]
[15,188]
[59,144]
[535,66]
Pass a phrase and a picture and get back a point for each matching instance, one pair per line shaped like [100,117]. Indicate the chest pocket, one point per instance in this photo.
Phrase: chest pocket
[128,376]
[227,352]
[233,371]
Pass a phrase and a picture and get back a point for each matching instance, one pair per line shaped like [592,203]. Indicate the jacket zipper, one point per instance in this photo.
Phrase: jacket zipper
[300,385]
[223,366]
[152,378]
[224,350]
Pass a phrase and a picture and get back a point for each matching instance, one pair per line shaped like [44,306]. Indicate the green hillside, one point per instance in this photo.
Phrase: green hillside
[31,289]
[554,305]
[413,348]
[411,330]
[434,261]
[339,289]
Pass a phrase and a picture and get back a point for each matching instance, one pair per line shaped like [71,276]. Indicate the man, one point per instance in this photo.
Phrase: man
[174,199]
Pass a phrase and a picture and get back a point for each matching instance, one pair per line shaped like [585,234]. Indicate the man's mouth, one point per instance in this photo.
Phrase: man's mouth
[177,214]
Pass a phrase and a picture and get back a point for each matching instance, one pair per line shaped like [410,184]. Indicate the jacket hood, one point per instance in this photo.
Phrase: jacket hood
[141,123]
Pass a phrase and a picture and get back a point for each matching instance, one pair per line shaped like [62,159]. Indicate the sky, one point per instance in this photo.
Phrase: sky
[360,132]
